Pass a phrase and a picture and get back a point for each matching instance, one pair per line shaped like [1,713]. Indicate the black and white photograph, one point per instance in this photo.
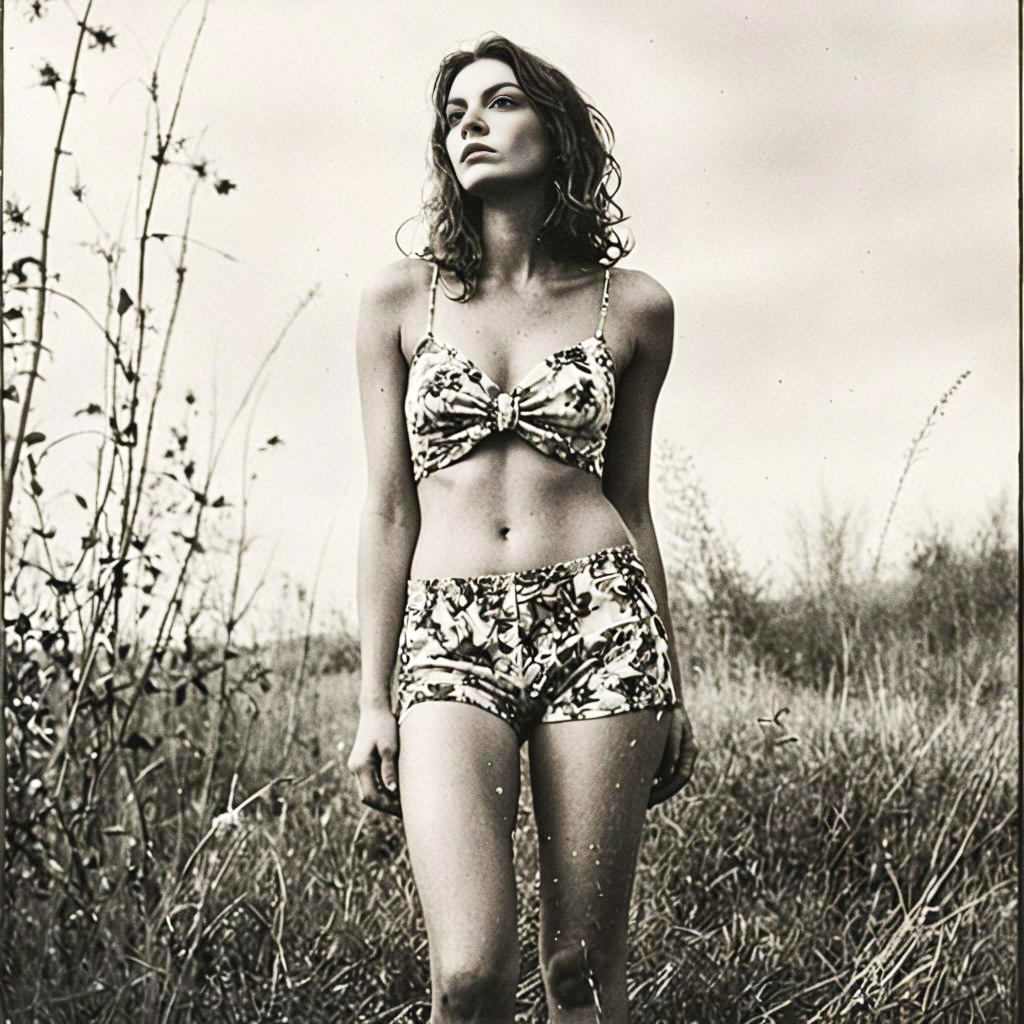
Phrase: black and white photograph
[511,513]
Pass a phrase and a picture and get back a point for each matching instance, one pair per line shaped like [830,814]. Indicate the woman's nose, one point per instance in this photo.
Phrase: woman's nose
[475,123]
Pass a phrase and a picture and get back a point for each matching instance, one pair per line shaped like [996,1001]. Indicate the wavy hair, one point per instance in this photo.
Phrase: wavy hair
[585,175]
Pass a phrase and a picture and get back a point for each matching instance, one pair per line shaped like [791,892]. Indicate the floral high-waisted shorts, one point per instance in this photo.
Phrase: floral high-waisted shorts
[579,639]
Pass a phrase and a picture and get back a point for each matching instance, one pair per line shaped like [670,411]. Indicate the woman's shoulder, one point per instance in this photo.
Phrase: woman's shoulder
[640,300]
[642,292]
[397,280]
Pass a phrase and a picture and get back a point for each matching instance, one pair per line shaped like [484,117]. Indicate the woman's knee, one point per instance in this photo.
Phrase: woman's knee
[473,986]
[576,975]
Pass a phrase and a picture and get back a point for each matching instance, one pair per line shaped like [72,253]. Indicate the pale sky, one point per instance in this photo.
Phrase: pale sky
[828,190]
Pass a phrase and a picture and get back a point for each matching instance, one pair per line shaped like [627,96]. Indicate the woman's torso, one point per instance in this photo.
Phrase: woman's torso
[506,505]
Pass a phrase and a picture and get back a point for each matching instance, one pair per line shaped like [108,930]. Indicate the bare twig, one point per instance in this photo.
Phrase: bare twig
[915,450]
[10,466]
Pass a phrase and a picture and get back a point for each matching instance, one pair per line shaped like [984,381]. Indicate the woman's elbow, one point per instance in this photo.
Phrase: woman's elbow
[635,510]
[393,508]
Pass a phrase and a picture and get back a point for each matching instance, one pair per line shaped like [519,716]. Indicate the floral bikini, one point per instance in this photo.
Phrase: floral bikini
[563,406]
[578,639]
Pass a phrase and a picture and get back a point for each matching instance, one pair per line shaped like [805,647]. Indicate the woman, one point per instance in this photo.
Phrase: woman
[509,573]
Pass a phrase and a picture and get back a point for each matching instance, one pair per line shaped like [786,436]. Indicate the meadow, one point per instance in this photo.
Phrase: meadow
[846,849]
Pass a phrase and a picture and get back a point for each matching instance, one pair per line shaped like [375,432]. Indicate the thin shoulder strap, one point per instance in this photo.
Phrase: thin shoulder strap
[433,300]
[599,333]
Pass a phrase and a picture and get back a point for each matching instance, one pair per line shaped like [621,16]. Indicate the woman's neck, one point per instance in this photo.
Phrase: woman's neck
[511,253]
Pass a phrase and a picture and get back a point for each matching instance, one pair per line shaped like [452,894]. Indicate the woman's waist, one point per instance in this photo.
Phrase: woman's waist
[462,537]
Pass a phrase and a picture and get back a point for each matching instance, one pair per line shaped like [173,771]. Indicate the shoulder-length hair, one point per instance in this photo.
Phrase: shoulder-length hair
[585,175]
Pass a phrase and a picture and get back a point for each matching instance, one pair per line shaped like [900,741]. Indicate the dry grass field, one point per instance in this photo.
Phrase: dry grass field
[842,853]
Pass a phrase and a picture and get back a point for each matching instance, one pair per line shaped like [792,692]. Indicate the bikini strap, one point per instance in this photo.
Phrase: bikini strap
[433,299]
[599,333]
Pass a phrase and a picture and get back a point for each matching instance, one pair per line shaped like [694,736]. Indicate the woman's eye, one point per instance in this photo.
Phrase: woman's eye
[508,103]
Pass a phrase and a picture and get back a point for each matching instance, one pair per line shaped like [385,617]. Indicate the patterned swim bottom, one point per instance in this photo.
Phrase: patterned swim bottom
[579,639]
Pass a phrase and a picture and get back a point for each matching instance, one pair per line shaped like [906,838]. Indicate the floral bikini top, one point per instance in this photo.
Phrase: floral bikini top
[563,406]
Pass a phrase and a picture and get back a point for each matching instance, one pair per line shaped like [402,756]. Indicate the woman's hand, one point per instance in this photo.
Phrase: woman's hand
[374,760]
[676,765]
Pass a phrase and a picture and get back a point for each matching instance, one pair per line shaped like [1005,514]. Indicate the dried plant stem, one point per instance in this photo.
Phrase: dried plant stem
[10,467]
[300,673]
[131,510]
[257,377]
[4,939]
[913,453]
[37,343]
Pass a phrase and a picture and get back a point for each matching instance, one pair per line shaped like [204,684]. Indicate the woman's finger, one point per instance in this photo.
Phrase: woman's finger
[663,792]
[374,793]
[387,796]
[673,781]
[688,751]
[389,770]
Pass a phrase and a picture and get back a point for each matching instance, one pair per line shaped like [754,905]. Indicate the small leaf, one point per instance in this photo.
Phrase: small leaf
[81,501]
[16,217]
[11,393]
[34,437]
[17,267]
[180,692]
[101,37]
[49,77]
[124,303]
[37,487]
[223,186]
[14,313]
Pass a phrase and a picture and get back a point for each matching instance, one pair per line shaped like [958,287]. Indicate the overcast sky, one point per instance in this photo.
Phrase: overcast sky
[828,189]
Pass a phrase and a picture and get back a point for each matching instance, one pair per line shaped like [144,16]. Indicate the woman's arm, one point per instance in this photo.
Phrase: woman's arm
[627,461]
[388,528]
[626,483]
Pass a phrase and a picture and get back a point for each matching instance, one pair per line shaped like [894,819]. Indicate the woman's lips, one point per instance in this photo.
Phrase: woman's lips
[477,150]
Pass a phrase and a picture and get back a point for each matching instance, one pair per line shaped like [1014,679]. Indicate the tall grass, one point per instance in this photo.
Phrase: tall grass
[845,851]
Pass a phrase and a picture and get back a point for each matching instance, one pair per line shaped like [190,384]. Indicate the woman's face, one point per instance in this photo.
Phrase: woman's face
[496,141]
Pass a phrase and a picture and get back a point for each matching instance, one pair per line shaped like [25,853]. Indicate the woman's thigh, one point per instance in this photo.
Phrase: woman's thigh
[590,781]
[458,770]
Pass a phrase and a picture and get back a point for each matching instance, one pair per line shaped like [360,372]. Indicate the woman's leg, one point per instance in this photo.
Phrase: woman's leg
[459,783]
[590,782]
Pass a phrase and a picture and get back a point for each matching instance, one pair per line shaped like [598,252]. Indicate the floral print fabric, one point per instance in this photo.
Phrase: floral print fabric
[563,406]
[580,639]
